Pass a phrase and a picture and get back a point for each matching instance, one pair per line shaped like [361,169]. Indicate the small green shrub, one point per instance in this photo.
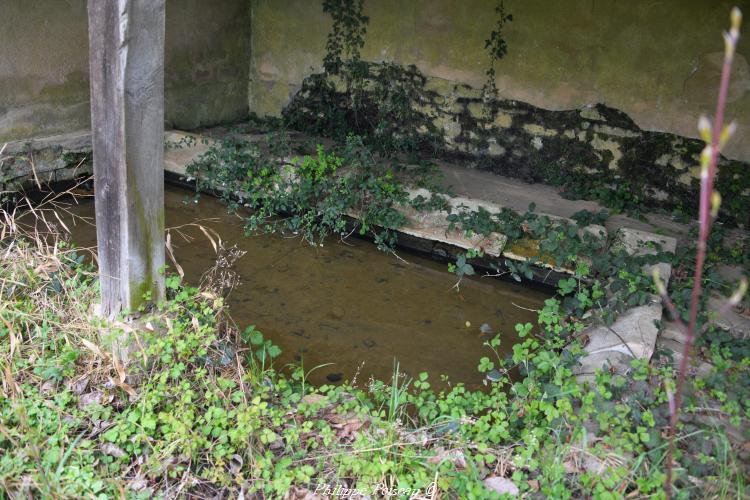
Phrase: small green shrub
[311,197]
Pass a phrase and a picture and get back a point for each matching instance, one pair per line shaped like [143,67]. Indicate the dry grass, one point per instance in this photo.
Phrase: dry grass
[35,255]
[48,289]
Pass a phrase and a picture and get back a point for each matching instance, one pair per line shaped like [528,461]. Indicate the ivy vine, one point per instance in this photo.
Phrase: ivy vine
[347,36]
[497,48]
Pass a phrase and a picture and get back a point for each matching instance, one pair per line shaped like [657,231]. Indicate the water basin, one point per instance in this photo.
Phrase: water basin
[348,303]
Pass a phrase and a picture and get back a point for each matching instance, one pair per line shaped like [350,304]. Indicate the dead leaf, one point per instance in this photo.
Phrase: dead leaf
[312,399]
[138,483]
[13,339]
[570,466]
[501,485]
[347,426]
[79,385]
[593,464]
[121,373]
[112,450]
[125,387]
[122,376]
[92,347]
[456,457]
[10,381]
[277,445]
[349,429]
[48,386]
[95,397]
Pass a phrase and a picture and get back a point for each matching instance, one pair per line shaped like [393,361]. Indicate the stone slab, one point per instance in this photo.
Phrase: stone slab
[672,340]
[77,142]
[738,325]
[518,194]
[635,332]
[182,149]
[434,225]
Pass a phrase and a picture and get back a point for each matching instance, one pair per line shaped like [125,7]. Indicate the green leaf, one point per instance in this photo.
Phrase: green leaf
[274,351]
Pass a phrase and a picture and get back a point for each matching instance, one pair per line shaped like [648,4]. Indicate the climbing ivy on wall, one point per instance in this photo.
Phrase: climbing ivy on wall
[497,48]
[372,100]
[594,152]
[347,36]
[343,46]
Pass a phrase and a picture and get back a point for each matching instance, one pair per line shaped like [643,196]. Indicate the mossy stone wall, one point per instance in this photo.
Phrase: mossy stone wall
[44,88]
[659,62]
[590,152]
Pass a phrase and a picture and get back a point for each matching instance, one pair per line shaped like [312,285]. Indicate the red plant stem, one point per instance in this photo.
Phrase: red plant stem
[705,221]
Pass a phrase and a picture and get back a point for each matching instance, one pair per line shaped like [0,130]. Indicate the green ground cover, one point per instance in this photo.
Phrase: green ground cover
[202,409]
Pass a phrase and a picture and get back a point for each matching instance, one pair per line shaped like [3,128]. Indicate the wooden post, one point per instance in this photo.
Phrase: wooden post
[126,59]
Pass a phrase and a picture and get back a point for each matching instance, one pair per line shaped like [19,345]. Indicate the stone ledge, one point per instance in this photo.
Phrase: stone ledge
[75,142]
[435,226]
[634,333]
[40,161]
[737,325]
[672,339]
[49,166]
[432,226]
[176,159]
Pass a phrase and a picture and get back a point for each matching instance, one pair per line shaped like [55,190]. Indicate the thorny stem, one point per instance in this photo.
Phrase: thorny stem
[709,204]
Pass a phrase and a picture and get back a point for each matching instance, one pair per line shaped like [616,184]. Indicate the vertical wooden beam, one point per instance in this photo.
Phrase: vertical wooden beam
[126,59]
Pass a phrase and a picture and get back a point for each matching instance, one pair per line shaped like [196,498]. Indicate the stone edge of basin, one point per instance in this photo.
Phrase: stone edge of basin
[434,225]
[40,160]
[633,334]
[431,226]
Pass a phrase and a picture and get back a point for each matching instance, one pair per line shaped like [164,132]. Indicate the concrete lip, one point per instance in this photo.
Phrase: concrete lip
[633,334]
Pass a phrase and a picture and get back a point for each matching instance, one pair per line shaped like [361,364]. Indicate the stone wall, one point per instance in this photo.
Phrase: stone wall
[656,61]
[44,88]
[594,151]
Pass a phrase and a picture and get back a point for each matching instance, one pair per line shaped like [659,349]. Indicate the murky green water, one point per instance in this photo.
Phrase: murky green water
[349,304]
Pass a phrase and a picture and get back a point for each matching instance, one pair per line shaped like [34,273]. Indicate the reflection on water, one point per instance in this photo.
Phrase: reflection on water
[350,304]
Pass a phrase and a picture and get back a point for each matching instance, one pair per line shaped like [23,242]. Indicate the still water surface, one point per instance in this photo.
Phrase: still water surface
[348,304]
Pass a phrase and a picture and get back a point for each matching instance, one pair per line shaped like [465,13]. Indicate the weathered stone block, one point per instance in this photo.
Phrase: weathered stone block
[503,120]
[440,86]
[477,110]
[539,130]
[635,332]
